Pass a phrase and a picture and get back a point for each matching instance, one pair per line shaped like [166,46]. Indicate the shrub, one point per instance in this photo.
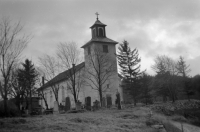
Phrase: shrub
[148,101]
[12,109]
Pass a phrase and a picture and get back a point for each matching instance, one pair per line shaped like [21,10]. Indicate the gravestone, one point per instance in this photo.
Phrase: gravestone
[103,102]
[67,104]
[118,101]
[78,105]
[96,105]
[88,103]
[109,101]
[55,108]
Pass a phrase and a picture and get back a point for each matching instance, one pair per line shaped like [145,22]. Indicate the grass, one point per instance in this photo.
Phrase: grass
[129,120]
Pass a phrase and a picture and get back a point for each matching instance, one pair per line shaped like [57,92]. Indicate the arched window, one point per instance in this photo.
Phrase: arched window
[45,96]
[63,93]
[100,32]
[51,97]
[93,32]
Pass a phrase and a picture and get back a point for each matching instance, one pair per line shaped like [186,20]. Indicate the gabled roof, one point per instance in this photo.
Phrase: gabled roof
[98,23]
[62,76]
[100,39]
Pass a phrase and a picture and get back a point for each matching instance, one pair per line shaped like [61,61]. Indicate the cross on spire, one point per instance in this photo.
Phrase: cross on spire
[97,15]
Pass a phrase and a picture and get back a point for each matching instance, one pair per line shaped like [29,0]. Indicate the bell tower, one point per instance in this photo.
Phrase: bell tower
[104,46]
[98,29]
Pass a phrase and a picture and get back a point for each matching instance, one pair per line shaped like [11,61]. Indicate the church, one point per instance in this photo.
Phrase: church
[98,72]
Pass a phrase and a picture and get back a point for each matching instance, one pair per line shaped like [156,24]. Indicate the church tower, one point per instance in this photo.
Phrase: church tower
[100,54]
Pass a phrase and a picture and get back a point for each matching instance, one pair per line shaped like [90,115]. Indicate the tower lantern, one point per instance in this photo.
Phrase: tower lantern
[98,28]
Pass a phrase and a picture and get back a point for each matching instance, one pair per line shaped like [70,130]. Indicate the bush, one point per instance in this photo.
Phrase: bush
[12,109]
[148,101]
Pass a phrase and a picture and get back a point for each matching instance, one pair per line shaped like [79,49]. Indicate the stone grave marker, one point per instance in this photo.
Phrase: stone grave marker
[67,104]
[103,102]
[55,108]
[78,105]
[96,105]
[118,101]
[88,103]
[109,101]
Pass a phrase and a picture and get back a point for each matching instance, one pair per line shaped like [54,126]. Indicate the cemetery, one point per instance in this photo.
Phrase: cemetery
[129,118]
[68,71]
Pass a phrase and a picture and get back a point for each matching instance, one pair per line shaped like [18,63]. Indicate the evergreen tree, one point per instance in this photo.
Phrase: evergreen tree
[130,69]
[128,61]
[27,78]
[183,70]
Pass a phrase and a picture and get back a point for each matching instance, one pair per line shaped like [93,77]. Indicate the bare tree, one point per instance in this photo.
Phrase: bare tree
[41,93]
[50,67]
[39,83]
[17,90]
[12,43]
[69,56]
[165,68]
[99,71]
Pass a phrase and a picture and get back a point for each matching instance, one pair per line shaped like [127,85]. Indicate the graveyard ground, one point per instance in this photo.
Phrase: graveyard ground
[129,120]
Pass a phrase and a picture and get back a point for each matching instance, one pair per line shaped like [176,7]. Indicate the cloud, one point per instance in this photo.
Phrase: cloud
[154,27]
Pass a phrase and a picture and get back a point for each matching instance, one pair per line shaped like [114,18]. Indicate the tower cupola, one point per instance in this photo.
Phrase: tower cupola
[98,29]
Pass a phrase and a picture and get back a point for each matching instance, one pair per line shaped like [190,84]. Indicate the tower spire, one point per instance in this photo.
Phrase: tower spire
[97,15]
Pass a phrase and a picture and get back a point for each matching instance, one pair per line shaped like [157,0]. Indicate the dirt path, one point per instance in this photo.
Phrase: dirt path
[186,127]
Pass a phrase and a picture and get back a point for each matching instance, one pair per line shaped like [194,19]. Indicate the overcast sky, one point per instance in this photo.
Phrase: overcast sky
[154,27]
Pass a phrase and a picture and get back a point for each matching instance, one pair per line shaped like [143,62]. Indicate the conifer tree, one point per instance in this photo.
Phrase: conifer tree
[129,68]
[183,70]
[27,77]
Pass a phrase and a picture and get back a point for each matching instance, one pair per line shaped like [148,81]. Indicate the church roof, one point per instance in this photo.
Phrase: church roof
[98,23]
[100,39]
[62,76]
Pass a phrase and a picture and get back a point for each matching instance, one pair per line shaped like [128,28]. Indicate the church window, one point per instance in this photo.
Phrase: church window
[93,33]
[51,96]
[105,48]
[63,93]
[89,50]
[108,85]
[100,32]
[45,96]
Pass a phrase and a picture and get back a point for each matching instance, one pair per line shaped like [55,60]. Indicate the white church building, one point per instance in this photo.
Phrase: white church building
[106,64]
